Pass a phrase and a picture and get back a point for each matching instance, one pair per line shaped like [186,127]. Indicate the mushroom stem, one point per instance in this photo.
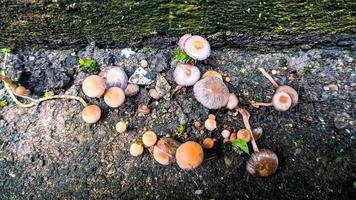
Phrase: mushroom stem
[258,104]
[246,117]
[7,83]
[269,77]
[178,87]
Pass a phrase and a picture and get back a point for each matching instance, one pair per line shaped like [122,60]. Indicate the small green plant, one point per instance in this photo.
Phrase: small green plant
[89,65]
[3,103]
[182,57]
[46,93]
[181,128]
[6,50]
[242,145]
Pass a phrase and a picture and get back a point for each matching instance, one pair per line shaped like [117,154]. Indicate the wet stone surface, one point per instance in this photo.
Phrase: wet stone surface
[48,152]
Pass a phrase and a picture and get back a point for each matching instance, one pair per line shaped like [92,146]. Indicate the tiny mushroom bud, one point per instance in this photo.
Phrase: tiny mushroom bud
[143,109]
[143,63]
[154,94]
[114,97]
[197,47]
[262,163]
[189,155]
[211,73]
[225,133]
[232,102]
[136,149]
[114,77]
[91,114]
[93,86]
[233,137]
[186,74]
[131,89]
[243,134]
[257,133]
[208,143]
[211,92]
[121,127]
[149,138]
[210,124]
[197,124]
[21,91]
[182,40]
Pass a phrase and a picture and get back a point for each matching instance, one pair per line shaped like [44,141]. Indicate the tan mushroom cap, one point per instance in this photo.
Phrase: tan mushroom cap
[149,138]
[232,102]
[262,163]
[93,86]
[212,73]
[161,153]
[131,89]
[121,127]
[210,124]
[114,97]
[197,47]
[189,155]
[211,92]
[136,149]
[243,134]
[208,143]
[21,90]
[281,101]
[291,92]
[91,114]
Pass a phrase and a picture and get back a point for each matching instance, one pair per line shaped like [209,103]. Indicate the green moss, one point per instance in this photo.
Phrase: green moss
[182,57]
[5,50]
[88,65]
[4,103]
[181,128]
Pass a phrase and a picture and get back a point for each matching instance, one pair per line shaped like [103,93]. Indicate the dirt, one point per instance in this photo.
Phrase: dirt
[48,152]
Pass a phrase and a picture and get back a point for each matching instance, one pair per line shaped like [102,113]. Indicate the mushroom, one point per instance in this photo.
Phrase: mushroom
[93,86]
[208,143]
[189,155]
[91,114]
[262,163]
[182,40]
[149,138]
[114,97]
[143,109]
[232,102]
[257,132]
[211,73]
[121,127]
[164,150]
[225,133]
[185,75]
[154,94]
[210,123]
[131,89]
[211,92]
[136,149]
[243,134]
[197,47]
[21,91]
[114,77]
[233,137]
[284,98]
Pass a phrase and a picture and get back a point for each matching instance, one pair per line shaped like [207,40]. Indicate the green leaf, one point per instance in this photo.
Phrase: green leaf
[6,50]
[241,144]
[182,57]
[88,65]
[3,103]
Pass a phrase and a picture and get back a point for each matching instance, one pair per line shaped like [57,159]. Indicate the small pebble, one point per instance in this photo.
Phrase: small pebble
[198,192]
[225,133]
[274,72]
[227,79]
[144,63]
[331,87]
[197,124]
[154,94]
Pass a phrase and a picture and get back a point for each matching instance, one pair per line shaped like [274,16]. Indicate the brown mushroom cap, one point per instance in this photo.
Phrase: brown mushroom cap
[243,134]
[136,149]
[211,92]
[91,114]
[281,101]
[93,86]
[114,97]
[164,150]
[211,73]
[149,138]
[291,91]
[189,155]
[21,90]
[208,143]
[262,163]
[131,89]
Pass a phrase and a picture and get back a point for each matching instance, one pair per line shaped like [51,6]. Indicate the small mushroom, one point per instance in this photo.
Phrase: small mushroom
[144,63]
[210,123]
[21,91]
[131,89]
[182,40]
[185,75]
[262,163]
[143,109]
[136,149]
[91,114]
[154,94]
[149,138]
[225,133]
[197,47]
[164,150]
[243,134]
[284,98]
[211,73]
[93,86]
[121,127]
[232,102]
[211,92]
[233,137]
[208,143]
[114,77]
[114,97]
[257,133]
[189,155]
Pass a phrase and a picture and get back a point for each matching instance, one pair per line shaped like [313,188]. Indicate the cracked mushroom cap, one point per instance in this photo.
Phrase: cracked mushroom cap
[186,74]
[93,86]
[262,163]
[197,47]
[189,155]
[164,150]
[211,92]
